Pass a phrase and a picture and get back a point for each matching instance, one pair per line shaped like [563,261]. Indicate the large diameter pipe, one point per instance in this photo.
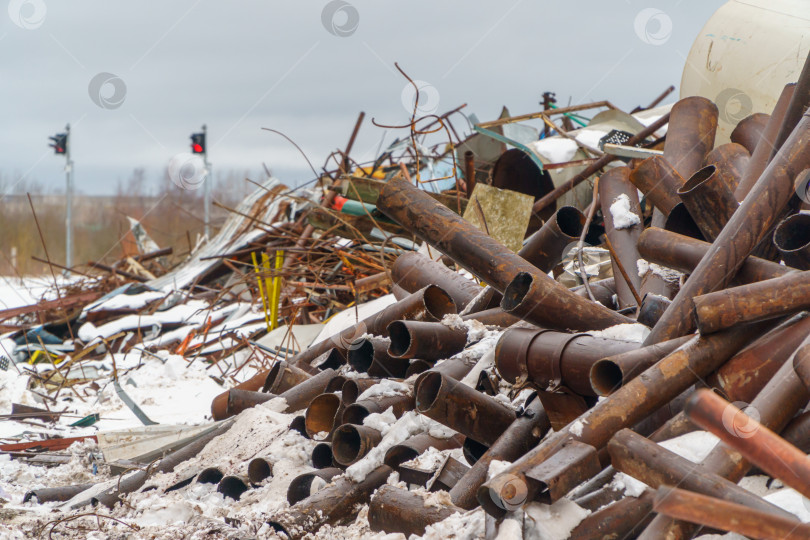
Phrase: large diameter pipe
[546,247]
[658,180]
[544,301]
[548,359]
[351,443]
[626,407]
[357,411]
[792,239]
[413,271]
[395,510]
[623,225]
[753,302]
[690,134]
[57,494]
[709,200]
[727,516]
[336,504]
[760,211]
[523,433]
[425,340]
[458,406]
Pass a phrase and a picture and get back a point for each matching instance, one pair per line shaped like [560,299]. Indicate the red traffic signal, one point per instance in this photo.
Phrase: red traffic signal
[198,143]
[60,142]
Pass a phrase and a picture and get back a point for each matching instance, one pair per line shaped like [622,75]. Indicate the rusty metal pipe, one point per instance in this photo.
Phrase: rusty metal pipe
[753,219]
[546,247]
[492,317]
[690,134]
[57,494]
[731,160]
[617,520]
[350,443]
[753,302]
[612,372]
[233,487]
[491,261]
[322,456]
[709,200]
[413,271]
[749,131]
[259,469]
[283,376]
[336,504]
[357,411]
[428,341]
[549,359]
[523,433]
[370,355]
[296,398]
[458,406]
[651,308]
[395,510]
[306,484]
[658,180]
[728,516]
[322,415]
[352,389]
[792,239]
[614,186]
[210,475]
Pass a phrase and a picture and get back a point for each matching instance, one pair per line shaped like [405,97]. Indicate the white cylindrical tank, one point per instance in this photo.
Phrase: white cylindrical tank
[745,55]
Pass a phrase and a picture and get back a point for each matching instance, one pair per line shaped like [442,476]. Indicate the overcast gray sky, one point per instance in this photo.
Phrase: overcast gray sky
[305,68]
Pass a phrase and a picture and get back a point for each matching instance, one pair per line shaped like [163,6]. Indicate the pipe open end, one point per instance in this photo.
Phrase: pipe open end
[793,234]
[606,377]
[299,424]
[211,475]
[233,487]
[400,339]
[570,221]
[322,455]
[272,376]
[427,390]
[259,469]
[346,444]
[361,354]
[438,303]
[516,291]
[350,391]
[697,179]
[320,415]
[355,413]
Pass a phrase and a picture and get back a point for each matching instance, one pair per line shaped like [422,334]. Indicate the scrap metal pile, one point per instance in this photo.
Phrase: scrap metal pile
[586,381]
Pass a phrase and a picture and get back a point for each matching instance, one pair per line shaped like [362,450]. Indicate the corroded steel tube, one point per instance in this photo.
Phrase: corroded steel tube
[370,355]
[614,187]
[322,415]
[625,407]
[395,510]
[656,466]
[282,376]
[400,404]
[728,516]
[306,484]
[492,317]
[298,424]
[413,271]
[709,200]
[414,446]
[611,372]
[352,389]
[57,494]
[336,504]
[690,134]
[792,239]
[540,299]
[681,221]
[546,248]
[210,475]
[322,456]
[259,469]
[760,210]
[753,302]
[750,130]
[351,443]
[458,406]
[603,292]
[428,341]
[616,520]
[658,180]
[731,161]
[684,254]
[651,308]
[524,433]
[233,487]
[755,442]
[549,359]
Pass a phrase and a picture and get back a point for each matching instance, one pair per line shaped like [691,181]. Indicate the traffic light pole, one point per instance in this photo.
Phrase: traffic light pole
[69,204]
[208,180]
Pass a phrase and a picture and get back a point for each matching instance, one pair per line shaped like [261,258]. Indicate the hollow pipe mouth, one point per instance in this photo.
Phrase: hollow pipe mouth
[570,221]
[272,375]
[320,415]
[606,377]
[401,339]
[350,391]
[399,454]
[322,455]
[438,303]
[334,359]
[259,469]
[793,234]
[361,355]
[233,487]
[418,366]
[696,180]
[347,444]
[515,293]
[299,424]
[428,390]
[355,413]
[211,475]
[473,450]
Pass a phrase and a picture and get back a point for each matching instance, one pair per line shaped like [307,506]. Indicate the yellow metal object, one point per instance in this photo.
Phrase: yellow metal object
[261,289]
[276,290]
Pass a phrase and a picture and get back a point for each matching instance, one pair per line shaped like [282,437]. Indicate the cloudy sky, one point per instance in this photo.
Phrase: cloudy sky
[304,68]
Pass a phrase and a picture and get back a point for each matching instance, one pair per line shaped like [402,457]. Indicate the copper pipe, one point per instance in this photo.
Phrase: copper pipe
[690,134]
[709,200]
[753,302]
[428,341]
[658,181]
[413,271]
[546,247]
[395,510]
[727,516]
[731,161]
[305,484]
[491,261]
[792,239]
[323,414]
[753,219]
[458,406]
[282,376]
[749,131]
[259,469]
[351,443]
[613,185]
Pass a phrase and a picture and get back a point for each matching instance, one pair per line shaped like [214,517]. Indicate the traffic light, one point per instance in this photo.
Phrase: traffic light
[60,142]
[198,143]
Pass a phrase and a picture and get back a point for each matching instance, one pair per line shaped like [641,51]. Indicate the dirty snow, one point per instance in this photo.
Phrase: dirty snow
[623,217]
[635,332]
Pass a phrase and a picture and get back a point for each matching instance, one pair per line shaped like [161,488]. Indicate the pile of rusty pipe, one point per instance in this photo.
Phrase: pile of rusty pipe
[395,510]
[322,415]
[614,184]
[425,340]
[283,376]
[351,442]
[728,516]
[549,359]
[303,485]
[709,200]
[523,433]
[750,130]
[357,411]
[413,271]
[456,405]
[628,405]
[658,180]
[259,469]
[334,505]
[57,494]
[684,254]
[759,211]
[536,296]
[353,388]
[414,446]
[370,355]
[546,247]
[656,466]
[690,134]
[792,239]
[759,301]
[731,160]
[612,372]
[616,520]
